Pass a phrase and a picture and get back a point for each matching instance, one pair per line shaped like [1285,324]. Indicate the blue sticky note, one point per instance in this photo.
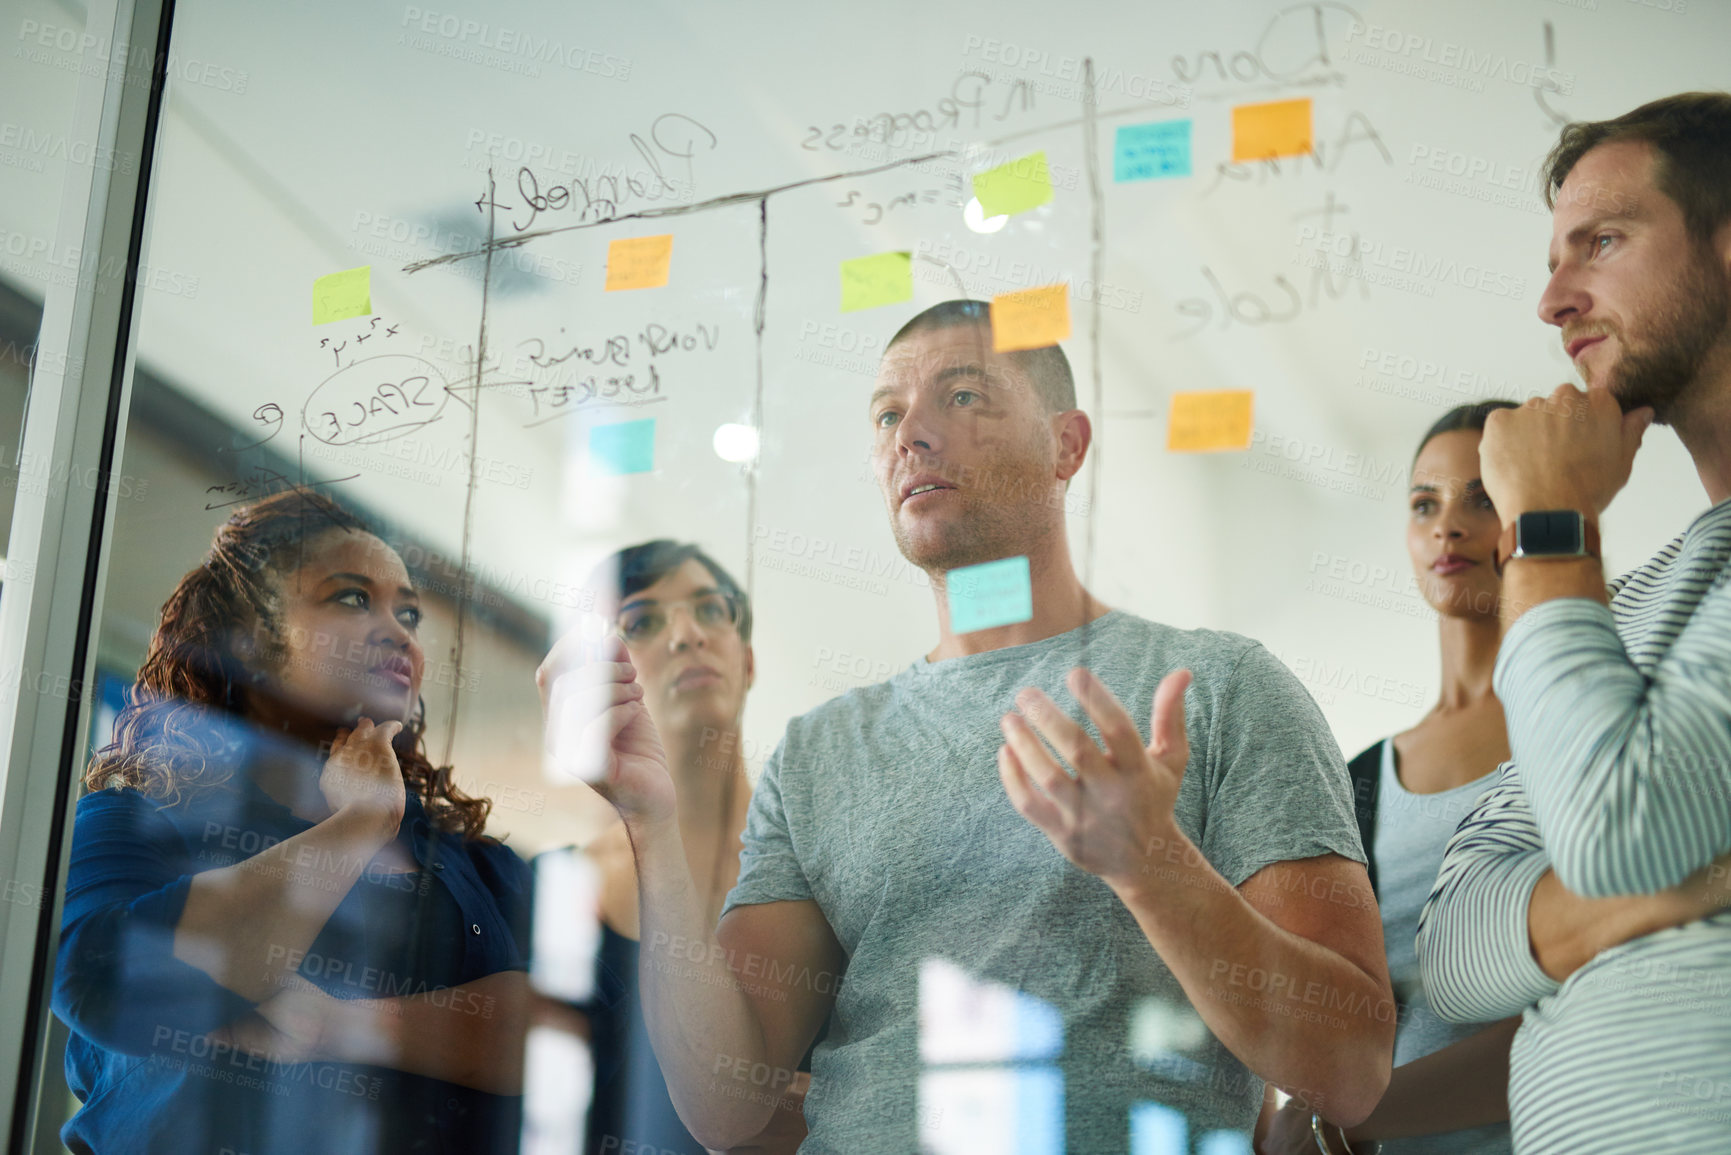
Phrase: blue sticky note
[995,593]
[1147,151]
[622,447]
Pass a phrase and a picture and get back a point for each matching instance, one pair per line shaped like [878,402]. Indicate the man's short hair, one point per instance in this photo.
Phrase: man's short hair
[1046,367]
[1691,137]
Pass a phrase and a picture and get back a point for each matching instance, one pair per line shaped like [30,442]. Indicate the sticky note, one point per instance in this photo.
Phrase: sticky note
[638,262]
[1147,151]
[995,593]
[1016,187]
[339,296]
[1030,319]
[884,279]
[1278,128]
[622,447]
[1204,422]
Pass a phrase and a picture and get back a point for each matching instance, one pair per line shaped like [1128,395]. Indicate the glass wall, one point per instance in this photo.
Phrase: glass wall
[439,310]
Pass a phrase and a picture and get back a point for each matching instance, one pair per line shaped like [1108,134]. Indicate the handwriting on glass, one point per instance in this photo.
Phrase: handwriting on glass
[1293,43]
[873,212]
[960,110]
[564,379]
[259,481]
[374,400]
[672,136]
[357,339]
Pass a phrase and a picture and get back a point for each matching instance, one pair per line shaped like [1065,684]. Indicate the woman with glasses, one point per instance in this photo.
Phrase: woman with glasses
[285,929]
[686,626]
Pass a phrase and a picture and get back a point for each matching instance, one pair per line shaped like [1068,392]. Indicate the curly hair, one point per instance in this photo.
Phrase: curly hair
[163,743]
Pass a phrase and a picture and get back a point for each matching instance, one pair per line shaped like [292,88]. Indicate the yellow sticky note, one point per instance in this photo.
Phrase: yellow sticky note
[1016,187]
[1278,128]
[638,262]
[884,279]
[1030,319]
[1205,422]
[339,296]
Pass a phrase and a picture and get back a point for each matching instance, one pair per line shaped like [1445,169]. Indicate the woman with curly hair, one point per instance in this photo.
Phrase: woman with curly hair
[285,929]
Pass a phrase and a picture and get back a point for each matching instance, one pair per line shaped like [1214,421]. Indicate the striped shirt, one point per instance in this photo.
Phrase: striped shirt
[1620,726]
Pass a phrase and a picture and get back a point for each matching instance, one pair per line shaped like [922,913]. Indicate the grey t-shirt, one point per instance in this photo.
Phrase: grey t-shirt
[957,914]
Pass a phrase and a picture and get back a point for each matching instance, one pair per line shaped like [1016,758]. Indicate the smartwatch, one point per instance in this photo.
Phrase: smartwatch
[1548,533]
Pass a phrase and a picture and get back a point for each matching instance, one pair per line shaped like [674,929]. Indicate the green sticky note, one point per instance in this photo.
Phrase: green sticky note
[339,296]
[622,447]
[1016,187]
[884,279]
[995,593]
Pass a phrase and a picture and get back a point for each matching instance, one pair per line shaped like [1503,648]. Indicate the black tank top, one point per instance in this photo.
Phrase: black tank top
[631,1103]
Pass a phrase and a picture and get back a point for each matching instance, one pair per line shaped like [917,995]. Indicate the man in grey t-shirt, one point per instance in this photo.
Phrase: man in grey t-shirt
[1017,955]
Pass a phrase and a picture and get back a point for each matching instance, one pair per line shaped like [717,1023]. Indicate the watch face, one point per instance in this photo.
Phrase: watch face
[1550,532]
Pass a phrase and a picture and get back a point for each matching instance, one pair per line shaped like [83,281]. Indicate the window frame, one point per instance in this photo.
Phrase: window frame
[74,416]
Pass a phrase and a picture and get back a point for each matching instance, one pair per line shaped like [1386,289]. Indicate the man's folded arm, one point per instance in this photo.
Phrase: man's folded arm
[1628,777]
[1473,946]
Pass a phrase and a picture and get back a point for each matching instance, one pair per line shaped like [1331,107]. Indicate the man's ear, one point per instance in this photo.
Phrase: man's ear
[750,666]
[1075,434]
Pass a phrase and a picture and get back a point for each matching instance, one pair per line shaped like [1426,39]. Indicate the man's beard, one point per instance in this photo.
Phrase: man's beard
[1000,506]
[1658,369]
[986,533]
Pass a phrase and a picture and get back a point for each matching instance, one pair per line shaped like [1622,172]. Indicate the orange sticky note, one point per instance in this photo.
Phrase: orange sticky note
[1278,128]
[1030,319]
[638,262]
[1206,422]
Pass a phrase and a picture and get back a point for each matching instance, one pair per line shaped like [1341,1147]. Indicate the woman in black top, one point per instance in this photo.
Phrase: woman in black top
[687,626]
[1448,1095]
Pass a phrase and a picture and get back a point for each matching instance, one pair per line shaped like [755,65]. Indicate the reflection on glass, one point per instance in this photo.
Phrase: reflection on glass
[1014,1110]
[1018,1109]
[1224,1143]
[1158,1130]
[1159,1030]
[556,1092]
[563,965]
[965,1020]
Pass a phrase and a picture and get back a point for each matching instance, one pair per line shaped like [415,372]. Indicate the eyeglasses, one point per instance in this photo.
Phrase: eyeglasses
[644,622]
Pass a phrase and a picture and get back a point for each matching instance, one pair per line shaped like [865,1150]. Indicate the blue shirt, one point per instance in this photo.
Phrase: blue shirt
[137,1056]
